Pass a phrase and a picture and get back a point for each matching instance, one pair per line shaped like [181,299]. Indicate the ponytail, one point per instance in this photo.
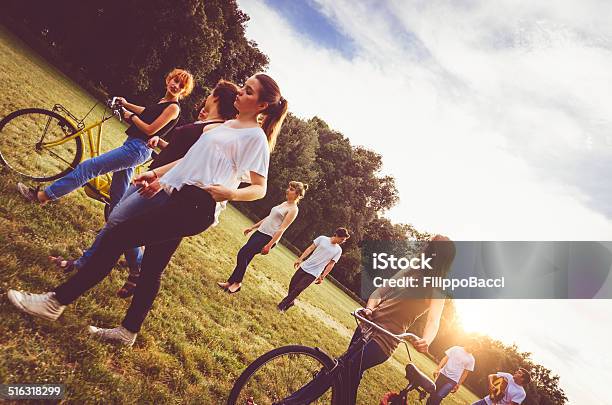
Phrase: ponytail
[275,113]
[300,188]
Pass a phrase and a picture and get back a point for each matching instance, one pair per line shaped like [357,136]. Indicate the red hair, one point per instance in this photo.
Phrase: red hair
[185,80]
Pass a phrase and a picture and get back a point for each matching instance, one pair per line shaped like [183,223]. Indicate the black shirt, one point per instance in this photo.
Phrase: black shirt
[150,114]
[182,139]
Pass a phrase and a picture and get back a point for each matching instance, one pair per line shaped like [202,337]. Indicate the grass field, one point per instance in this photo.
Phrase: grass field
[197,339]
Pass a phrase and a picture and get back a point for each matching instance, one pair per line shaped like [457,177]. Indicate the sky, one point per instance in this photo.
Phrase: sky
[494,117]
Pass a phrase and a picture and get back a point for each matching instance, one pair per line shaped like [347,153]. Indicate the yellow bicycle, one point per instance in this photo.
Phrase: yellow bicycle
[45,145]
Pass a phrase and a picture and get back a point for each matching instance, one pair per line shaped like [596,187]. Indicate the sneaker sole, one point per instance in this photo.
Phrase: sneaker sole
[24,192]
[17,303]
[92,330]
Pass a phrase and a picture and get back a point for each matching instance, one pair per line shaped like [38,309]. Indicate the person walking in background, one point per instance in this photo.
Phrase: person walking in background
[326,252]
[395,310]
[452,371]
[506,389]
[193,188]
[267,233]
[218,107]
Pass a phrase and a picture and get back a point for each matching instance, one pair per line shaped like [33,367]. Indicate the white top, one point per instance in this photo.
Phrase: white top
[225,156]
[325,251]
[514,392]
[458,360]
[272,223]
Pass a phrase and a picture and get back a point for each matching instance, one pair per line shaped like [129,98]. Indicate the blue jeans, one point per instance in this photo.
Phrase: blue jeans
[444,385]
[480,402]
[121,161]
[132,204]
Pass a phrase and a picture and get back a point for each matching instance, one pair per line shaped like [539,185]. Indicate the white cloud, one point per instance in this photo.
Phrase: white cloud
[494,118]
[497,111]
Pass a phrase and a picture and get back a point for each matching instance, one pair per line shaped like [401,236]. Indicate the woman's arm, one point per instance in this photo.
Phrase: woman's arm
[374,301]
[255,191]
[138,109]
[149,180]
[431,325]
[170,113]
[156,141]
[289,218]
[253,227]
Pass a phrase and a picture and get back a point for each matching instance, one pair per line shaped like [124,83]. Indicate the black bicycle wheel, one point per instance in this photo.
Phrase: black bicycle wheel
[279,373]
[25,137]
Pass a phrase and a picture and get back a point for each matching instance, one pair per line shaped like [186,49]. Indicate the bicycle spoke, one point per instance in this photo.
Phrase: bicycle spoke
[21,136]
[60,158]
[281,377]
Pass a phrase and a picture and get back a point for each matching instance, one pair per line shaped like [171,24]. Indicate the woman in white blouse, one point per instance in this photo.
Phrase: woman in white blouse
[193,187]
[267,233]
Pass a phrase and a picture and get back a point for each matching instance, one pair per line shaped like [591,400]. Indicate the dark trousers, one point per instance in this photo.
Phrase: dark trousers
[346,377]
[256,242]
[187,212]
[444,385]
[299,282]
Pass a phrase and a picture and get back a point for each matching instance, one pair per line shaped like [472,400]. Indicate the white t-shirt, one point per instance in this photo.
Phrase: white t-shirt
[222,156]
[458,360]
[325,251]
[514,392]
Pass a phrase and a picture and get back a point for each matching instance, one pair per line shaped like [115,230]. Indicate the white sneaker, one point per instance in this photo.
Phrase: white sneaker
[41,305]
[116,335]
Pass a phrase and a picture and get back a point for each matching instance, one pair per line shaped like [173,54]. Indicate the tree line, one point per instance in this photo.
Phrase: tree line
[126,48]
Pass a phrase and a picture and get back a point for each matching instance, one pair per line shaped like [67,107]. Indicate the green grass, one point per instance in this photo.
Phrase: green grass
[197,339]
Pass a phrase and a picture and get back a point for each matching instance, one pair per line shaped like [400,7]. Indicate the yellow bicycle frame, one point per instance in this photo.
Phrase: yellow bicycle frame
[97,188]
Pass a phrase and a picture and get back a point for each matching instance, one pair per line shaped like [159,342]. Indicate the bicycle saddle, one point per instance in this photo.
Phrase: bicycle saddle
[417,378]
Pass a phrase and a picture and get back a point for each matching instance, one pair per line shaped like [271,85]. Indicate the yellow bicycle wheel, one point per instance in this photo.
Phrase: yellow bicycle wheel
[31,144]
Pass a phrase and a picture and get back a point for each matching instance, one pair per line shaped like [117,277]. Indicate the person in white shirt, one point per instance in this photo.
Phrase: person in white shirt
[326,252]
[218,107]
[452,371]
[267,233]
[514,393]
[193,188]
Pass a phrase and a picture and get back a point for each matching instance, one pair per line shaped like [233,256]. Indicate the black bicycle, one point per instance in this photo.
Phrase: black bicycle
[277,375]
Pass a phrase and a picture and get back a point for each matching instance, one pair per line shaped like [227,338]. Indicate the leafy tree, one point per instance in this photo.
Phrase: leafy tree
[127,47]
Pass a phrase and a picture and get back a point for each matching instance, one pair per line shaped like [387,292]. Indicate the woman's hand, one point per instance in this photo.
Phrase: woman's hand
[297,263]
[455,389]
[126,114]
[145,178]
[151,189]
[319,280]
[246,231]
[220,193]
[366,312]
[421,345]
[153,141]
[266,250]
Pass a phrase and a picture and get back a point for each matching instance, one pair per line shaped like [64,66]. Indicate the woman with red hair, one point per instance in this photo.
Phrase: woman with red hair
[154,119]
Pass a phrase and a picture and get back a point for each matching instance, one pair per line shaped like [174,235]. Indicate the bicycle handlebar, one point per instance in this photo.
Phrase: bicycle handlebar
[116,108]
[401,337]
